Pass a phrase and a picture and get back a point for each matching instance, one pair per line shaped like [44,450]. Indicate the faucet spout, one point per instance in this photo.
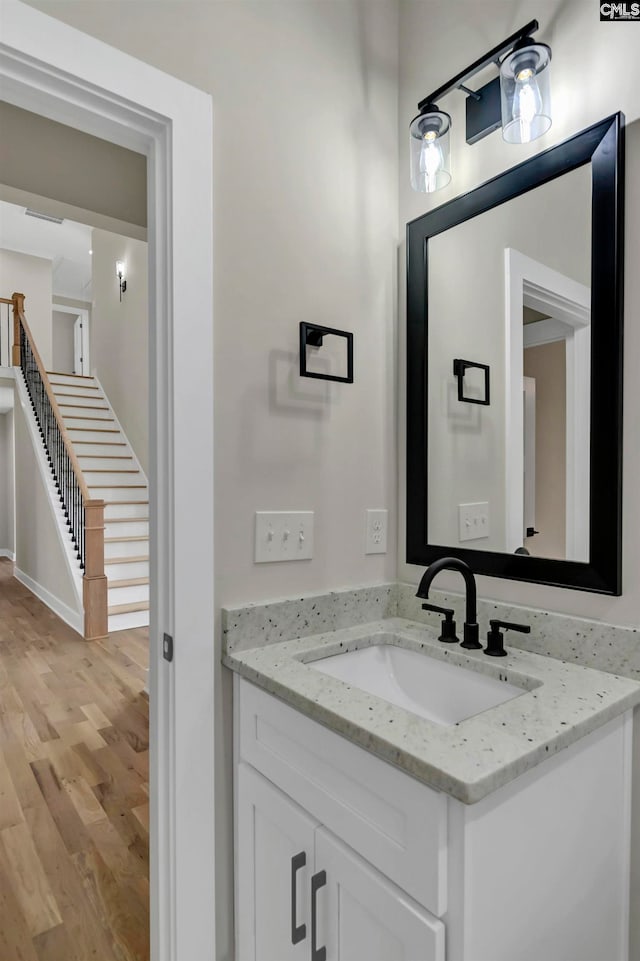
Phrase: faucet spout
[471,629]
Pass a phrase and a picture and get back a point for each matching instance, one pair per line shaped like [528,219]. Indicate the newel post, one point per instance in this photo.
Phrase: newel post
[18,309]
[94,583]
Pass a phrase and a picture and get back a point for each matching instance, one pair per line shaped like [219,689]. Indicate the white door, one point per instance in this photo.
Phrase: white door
[362,916]
[274,863]
[78,347]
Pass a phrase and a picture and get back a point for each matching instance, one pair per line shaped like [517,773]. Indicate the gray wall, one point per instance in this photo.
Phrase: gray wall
[119,334]
[52,160]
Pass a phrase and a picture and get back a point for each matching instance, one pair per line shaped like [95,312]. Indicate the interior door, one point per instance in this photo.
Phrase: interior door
[362,916]
[275,841]
[78,347]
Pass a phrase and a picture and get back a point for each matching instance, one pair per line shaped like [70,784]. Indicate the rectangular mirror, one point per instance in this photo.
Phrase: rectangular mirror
[514,413]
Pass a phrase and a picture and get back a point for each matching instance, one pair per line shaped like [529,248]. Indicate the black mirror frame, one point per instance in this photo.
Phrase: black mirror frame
[602,145]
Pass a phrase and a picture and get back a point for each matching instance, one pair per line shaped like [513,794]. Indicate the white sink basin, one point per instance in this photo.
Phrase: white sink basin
[436,690]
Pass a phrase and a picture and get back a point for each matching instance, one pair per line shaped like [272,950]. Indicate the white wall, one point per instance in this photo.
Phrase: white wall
[119,334]
[7,539]
[39,551]
[31,276]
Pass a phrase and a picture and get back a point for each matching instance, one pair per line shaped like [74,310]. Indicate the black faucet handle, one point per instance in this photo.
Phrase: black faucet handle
[495,637]
[448,625]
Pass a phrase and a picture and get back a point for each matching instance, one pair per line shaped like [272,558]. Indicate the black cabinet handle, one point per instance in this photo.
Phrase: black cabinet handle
[298,931]
[317,881]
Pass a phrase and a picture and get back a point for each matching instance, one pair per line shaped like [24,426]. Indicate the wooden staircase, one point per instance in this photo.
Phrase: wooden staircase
[112,474]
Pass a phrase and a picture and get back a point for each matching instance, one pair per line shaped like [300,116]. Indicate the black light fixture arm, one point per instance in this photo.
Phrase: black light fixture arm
[493,56]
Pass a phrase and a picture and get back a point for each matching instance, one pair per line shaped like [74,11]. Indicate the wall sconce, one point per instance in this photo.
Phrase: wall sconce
[121,274]
[518,100]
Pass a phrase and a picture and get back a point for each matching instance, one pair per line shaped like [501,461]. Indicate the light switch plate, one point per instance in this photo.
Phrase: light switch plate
[376,531]
[283,536]
[473,521]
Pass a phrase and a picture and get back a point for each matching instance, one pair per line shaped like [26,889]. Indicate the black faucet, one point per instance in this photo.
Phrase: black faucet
[471,629]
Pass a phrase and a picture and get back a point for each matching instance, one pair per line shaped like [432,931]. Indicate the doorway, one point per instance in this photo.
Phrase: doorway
[124,101]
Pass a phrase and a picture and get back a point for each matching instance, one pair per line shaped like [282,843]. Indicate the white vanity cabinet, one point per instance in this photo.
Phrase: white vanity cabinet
[341,856]
[304,894]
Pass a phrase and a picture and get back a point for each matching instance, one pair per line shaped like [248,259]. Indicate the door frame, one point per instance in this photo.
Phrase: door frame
[532,283]
[56,71]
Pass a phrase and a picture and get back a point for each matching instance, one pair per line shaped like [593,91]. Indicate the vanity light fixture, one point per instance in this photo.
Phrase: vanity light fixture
[121,274]
[518,100]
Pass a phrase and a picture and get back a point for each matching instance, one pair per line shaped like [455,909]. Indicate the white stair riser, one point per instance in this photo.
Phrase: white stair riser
[72,411]
[118,493]
[122,572]
[95,423]
[107,478]
[132,528]
[93,436]
[128,595]
[74,381]
[124,622]
[106,464]
[126,549]
[126,510]
[86,450]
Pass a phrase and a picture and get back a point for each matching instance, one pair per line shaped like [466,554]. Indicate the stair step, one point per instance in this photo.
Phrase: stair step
[104,463]
[88,423]
[59,373]
[92,435]
[58,383]
[119,540]
[73,392]
[141,558]
[126,569]
[126,622]
[126,527]
[84,406]
[129,608]
[116,470]
[129,582]
[95,430]
[113,478]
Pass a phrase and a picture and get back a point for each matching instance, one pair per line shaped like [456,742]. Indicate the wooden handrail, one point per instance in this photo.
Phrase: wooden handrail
[20,319]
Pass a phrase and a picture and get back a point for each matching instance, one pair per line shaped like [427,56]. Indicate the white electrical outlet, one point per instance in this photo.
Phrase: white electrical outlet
[376,532]
[473,521]
[283,536]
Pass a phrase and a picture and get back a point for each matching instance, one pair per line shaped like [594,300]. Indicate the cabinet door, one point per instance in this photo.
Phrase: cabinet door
[275,842]
[361,916]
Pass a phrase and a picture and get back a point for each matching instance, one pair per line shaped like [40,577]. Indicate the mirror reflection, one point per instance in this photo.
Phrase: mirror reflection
[509,290]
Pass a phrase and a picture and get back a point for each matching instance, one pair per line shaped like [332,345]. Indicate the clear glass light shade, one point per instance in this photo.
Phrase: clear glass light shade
[525,93]
[430,156]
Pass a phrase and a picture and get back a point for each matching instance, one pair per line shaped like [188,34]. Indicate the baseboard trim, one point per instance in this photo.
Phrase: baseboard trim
[73,618]
[5,552]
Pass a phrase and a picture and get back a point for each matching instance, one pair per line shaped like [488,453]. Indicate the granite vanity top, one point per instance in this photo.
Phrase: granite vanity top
[560,703]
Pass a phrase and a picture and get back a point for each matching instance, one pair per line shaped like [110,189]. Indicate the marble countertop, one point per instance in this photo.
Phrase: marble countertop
[560,703]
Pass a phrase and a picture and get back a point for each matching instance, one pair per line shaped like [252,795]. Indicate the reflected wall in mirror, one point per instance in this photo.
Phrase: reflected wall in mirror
[523,276]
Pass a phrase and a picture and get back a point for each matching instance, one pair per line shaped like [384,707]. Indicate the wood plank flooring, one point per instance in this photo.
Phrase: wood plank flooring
[74,796]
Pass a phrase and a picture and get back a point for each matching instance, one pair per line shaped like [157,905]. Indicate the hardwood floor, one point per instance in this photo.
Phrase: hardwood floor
[74,798]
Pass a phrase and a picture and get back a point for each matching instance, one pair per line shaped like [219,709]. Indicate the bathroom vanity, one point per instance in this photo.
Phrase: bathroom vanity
[365,832]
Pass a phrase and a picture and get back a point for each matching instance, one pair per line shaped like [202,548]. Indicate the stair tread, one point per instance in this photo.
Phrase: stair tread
[129,608]
[96,430]
[60,373]
[104,457]
[62,393]
[116,487]
[108,561]
[102,420]
[82,406]
[118,503]
[126,520]
[101,443]
[107,470]
[128,582]
[118,540]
